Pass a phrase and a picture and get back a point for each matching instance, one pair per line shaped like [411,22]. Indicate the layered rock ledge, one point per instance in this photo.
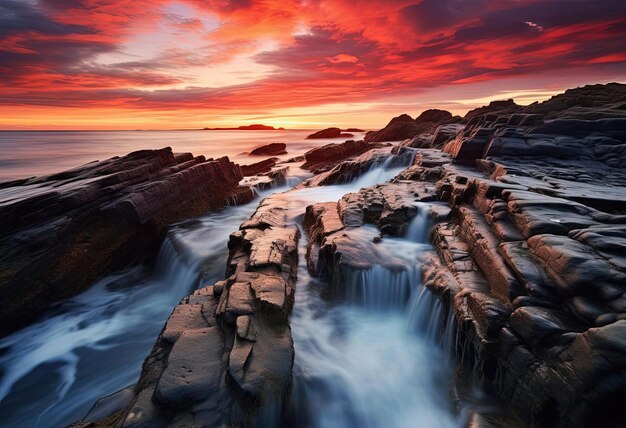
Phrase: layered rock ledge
[527,254]
[59,233]
[531,261]
[225,355]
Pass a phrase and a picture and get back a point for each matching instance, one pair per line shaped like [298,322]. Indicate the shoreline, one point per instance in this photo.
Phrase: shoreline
[500,195]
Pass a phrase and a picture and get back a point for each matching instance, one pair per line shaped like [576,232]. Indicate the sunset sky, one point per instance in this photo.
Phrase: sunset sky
[152,64]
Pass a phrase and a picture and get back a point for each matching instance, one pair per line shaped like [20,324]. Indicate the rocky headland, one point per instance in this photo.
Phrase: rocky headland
[527,258]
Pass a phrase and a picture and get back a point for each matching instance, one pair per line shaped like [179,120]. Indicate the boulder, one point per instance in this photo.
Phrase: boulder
[434,116]
[258,167]
[325,157]
[404,127]
[330,133]
[398,129]
[273,149]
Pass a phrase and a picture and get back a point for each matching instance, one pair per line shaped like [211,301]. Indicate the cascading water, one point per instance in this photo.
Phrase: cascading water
[94,344]
[426,314]
[380,288]
[356,363]
[384,168]
[419,227]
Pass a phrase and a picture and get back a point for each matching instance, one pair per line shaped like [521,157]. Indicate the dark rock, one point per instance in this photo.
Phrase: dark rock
[499,107]
[258,167]
[273,149]
[60,233]
[404,127]
[323,158]
[326,133]
[434,116]
[398,129]
[587,102]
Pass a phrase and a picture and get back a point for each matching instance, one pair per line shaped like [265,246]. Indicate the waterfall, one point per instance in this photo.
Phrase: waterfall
[384,168]
[426,314]
[419,227]
[380,287]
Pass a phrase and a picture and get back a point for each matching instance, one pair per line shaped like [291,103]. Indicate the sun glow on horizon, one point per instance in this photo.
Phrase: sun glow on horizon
[185,64]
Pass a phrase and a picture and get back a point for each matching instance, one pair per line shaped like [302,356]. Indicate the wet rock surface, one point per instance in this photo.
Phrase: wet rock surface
[325,157]
[61,232]
[226,352]
[528,254]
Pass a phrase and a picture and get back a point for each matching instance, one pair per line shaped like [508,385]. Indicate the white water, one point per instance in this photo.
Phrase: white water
[94,344]
[357,363]
[419,227]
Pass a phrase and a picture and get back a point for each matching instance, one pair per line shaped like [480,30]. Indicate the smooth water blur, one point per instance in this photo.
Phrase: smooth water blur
[357,363]
[94,344]
[33,153]
[419,227]
[361,362]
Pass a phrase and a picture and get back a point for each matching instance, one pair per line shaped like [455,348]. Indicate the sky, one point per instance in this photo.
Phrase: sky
[162,64]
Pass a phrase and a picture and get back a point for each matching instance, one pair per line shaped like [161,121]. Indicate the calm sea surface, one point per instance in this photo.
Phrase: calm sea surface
[27,153]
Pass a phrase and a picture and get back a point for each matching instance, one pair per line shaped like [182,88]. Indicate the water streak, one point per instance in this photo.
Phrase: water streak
[419,227]
[379,287]
[94,344]
[91,343]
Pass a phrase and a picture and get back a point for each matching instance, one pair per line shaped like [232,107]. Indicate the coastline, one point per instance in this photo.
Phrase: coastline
[500,195]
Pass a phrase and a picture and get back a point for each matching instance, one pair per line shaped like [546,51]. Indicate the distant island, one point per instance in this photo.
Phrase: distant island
[256,127]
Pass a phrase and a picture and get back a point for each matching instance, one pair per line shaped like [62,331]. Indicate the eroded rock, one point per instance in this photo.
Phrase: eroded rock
[60,233]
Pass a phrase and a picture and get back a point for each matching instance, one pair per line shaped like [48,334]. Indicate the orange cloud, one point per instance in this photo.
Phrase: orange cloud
[222,58]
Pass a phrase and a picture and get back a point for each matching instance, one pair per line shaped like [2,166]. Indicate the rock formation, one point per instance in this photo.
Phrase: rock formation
[333,133]
[527,255]
[61,232]
[225,355]
[530,259]
[273,149]
[405,127]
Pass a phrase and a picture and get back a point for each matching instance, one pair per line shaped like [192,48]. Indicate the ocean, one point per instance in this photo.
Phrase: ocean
[33,153]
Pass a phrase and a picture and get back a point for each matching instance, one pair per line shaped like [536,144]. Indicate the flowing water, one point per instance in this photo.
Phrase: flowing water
[373,359]
[94,344]
[365,361]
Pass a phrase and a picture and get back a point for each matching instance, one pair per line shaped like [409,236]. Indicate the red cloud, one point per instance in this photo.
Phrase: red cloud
[314,53]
